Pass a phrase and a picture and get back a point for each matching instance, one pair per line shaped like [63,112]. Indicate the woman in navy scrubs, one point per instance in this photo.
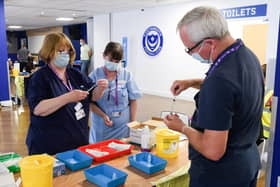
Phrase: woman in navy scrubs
[59,98]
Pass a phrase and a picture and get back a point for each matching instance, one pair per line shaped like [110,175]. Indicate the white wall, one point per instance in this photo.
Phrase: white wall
[273,16]
[90,41]
[101,36]
[155,74]
[35,43]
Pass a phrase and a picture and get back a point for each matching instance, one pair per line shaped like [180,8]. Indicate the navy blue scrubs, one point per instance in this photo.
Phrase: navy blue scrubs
[59,131]
[230,98]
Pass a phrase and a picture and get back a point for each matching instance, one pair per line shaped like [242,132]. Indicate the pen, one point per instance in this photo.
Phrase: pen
[92,88]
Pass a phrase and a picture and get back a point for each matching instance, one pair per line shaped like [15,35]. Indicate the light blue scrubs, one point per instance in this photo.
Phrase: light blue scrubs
[119,112]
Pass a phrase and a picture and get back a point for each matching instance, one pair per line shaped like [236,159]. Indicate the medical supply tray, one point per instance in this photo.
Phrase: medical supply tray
[12,158]
[103,147]
[141,162]
[105,175]
[74,159]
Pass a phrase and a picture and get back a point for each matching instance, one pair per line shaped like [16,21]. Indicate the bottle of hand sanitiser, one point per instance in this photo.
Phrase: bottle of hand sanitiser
[146,140]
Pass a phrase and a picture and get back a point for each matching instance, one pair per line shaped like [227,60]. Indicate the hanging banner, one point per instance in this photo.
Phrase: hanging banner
[124,44]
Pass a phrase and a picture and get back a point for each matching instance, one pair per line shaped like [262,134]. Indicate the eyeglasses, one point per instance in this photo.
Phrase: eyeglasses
[188,50]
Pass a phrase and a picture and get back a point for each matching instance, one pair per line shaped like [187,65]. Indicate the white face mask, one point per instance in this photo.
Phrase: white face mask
[197,56]
[111,66]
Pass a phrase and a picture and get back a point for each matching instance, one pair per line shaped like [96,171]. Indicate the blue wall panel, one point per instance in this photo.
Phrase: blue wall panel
[4,79]
[276,151]
[75,33]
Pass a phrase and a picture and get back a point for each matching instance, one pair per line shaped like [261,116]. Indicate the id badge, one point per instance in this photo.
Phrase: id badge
[80,114]
[78,106]
[122,82]
[116,114]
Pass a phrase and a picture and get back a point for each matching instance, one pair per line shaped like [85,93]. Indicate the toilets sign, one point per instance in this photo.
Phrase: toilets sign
[245,12]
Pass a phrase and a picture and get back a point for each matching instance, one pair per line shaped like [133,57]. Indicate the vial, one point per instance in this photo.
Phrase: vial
[114,176]
[146,139]
[149,159]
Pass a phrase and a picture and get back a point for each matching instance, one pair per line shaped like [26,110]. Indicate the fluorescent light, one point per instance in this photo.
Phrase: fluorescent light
[64,19]
[14,27]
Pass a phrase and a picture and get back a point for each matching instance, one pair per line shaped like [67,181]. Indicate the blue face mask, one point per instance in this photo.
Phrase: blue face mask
[62,60]
[197,56]
[111,66]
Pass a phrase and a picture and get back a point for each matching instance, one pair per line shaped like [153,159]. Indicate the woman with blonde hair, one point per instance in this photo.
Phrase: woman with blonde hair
[59,98]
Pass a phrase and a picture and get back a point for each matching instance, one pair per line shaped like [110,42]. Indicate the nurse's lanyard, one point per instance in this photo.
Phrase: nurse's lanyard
[221,58]
[66,84]
[116,90]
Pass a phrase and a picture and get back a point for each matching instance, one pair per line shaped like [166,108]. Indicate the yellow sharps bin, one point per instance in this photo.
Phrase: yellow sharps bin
[167,143]
[37,171]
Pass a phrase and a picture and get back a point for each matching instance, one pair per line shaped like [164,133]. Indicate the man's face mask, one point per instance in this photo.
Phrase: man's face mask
[62,60]
[197,56]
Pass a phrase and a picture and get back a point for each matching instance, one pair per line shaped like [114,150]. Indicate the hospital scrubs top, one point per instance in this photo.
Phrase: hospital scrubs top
[118,112]
[230,98]
[59,131]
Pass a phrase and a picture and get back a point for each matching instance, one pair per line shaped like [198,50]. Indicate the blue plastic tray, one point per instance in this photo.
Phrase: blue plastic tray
[140,161]
[105,176]
[75,159]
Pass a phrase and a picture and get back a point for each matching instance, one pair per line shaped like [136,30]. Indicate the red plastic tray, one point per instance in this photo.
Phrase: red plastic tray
[103,146]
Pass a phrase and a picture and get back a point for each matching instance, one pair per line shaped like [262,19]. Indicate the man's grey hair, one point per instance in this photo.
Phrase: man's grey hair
[203,22]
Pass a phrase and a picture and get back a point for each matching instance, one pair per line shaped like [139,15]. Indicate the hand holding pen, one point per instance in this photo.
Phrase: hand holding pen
[102,84]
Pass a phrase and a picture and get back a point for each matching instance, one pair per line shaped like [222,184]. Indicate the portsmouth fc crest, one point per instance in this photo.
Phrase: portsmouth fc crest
[152,40]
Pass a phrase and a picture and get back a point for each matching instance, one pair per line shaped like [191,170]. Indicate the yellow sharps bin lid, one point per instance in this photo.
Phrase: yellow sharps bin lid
[36,161]
[167,133]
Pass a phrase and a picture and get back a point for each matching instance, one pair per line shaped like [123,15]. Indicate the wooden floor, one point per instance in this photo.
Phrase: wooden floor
[14,122]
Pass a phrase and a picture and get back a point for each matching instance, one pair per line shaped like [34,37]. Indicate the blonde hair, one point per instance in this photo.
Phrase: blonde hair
[51,45]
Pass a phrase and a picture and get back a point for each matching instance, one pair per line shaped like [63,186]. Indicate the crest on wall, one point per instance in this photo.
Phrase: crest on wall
[152,40]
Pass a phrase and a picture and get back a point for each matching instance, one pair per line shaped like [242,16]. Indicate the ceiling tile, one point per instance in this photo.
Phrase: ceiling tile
[28,12]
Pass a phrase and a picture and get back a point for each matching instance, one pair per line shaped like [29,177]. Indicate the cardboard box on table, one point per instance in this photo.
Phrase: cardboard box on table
[136,129]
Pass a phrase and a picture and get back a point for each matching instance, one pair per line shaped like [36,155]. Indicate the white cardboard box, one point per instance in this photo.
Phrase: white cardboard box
[136,129]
